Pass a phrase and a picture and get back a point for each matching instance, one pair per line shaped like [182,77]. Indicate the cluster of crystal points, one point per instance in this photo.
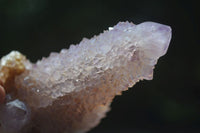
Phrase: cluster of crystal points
[70,91]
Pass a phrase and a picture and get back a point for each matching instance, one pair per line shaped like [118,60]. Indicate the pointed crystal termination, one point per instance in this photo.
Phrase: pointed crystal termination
[70,91]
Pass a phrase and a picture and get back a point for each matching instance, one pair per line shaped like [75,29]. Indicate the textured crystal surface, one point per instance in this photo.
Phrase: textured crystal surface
[70,91]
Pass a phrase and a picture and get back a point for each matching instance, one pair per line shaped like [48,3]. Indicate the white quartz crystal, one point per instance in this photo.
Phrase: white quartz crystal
[70,91]
[126,47]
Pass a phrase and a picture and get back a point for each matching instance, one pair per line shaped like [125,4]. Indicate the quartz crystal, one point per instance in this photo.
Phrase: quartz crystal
[71,91]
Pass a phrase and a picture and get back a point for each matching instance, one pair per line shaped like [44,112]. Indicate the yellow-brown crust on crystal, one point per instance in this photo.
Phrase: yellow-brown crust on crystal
[2,94]
[10,66]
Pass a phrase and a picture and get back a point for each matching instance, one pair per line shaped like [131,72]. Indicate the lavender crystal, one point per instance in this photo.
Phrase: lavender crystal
[71,91]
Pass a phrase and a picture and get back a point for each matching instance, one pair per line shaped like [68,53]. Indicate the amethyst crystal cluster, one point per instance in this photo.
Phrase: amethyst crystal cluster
[71,91]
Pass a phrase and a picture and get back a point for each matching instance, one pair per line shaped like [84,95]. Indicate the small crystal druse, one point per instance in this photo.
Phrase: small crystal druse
[71,91]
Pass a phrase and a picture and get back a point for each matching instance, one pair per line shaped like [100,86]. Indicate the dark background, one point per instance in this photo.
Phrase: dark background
[168,103]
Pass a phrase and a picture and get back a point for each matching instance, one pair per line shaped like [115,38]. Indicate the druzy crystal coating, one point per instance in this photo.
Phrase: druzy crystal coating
[71,91]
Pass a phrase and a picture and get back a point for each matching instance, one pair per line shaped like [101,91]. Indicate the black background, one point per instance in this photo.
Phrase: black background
[168,103]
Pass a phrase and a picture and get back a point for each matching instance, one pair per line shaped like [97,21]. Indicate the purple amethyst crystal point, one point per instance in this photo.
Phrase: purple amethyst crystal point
[158,37]
[71,91]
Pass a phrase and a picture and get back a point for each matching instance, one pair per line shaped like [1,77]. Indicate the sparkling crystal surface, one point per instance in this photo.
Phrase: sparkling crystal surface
[71,91]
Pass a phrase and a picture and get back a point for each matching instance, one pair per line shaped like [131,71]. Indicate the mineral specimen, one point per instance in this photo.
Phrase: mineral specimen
[71,91]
